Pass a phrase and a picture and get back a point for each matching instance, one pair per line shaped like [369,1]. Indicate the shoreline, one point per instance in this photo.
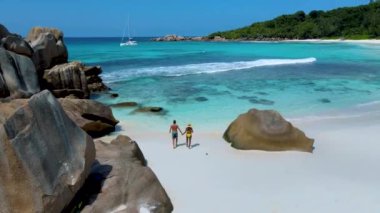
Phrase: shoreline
[176,38]
[364,41]
[340,176]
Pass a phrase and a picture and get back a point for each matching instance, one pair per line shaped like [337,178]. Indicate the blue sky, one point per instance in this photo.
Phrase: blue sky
[150,17]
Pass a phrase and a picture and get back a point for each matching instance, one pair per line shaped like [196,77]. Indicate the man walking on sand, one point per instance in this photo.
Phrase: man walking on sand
[174,130]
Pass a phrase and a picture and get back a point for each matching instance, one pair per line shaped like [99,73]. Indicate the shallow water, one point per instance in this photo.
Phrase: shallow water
[208,82]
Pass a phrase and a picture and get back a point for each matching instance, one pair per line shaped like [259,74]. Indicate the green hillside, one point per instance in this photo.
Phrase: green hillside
[361,22]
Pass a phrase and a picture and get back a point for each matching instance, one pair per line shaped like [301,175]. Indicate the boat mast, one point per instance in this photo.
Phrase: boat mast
[122,38]
[129,28]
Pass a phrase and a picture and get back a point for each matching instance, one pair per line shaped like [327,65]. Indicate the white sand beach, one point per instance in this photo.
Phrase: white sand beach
[364,41]
[361,41]
[342,175]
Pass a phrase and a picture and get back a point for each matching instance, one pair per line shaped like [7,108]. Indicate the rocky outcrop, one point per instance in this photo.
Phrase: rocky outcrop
[266,130]
[125,182]
[94,82]
[44,156]
[17,45]
[18,77]
[93,117]
[170,38]
[49,55]
[73,78]
[197,38]
[217,38]
[178,38]
[49,48]
[68,77]
[3,31]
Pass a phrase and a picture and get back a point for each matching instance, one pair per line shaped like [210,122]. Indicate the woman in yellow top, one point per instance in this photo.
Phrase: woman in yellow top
[189,132]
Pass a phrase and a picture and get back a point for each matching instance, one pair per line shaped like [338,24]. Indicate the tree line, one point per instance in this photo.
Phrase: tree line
[361,22]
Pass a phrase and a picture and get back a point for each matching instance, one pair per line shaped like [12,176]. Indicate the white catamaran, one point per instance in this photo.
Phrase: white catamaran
[130,42]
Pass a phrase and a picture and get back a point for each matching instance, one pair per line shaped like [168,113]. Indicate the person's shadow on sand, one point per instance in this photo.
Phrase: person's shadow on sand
[181,144]
[195,145]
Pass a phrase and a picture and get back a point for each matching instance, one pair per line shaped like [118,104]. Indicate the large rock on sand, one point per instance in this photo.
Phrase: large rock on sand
[127,184]
[49,48]
[93,117]
[67,77]
[18,77]
[44,156]
[266,130]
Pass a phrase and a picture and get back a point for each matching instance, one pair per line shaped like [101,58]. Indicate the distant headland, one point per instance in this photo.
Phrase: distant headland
[348,23]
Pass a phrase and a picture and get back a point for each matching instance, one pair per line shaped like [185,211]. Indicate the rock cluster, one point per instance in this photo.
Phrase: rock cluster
[46,148]
[177,38]
[266,130]
[182,38]
[40,62]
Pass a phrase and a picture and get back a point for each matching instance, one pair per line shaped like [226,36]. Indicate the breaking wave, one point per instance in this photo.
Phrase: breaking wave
[203,68]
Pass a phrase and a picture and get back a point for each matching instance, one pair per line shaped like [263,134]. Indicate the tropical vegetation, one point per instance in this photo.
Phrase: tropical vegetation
[361,22]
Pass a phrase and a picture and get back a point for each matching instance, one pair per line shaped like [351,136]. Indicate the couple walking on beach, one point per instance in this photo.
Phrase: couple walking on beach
[174,130]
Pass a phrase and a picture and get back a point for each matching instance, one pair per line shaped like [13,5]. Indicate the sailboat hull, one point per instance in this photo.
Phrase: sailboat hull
[128,43]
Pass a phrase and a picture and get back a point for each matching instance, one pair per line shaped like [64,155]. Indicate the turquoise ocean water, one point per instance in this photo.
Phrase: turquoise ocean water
[211,83]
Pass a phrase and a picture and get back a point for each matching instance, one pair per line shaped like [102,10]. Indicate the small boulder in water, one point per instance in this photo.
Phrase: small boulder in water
[266,130]
[325,100]
[114,95]
[201,99]
[152,110]
[261,101]
[124,104]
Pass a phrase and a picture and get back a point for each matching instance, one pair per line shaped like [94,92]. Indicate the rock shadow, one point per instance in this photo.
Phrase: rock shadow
[90,189]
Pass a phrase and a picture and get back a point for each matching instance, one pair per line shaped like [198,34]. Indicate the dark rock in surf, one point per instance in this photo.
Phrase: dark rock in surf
[94,82]
[151,110]
[201,99]
[125,105]
[325,100]
[261,101]
[114,95]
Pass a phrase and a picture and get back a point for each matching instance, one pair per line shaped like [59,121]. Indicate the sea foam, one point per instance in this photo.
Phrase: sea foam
[204,68]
